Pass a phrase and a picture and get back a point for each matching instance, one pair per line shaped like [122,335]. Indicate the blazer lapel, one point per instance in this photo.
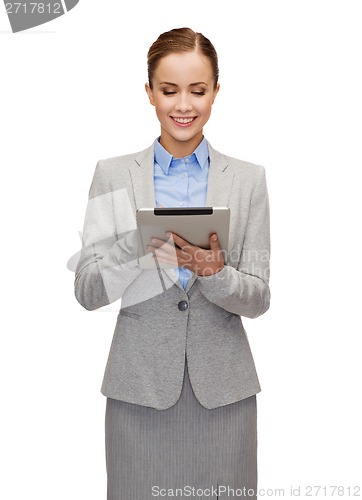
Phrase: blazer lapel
[142,179]
[220,180]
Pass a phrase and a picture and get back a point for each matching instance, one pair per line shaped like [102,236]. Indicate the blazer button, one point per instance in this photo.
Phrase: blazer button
[183,305]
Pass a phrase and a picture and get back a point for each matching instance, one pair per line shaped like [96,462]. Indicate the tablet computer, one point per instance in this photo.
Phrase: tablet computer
[194,224]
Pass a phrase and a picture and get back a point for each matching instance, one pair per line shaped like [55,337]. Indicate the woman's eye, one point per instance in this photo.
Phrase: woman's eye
[165,92]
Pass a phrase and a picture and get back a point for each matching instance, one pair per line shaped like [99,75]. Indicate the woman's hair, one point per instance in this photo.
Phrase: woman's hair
[181,40]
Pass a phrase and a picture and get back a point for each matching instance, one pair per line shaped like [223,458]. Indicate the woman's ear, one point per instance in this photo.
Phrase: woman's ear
[215,92]
[149,93]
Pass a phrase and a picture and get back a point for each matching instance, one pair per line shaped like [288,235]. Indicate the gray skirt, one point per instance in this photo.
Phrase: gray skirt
[186,451]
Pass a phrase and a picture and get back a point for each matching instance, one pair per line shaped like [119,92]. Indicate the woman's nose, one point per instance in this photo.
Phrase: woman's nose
[183,104]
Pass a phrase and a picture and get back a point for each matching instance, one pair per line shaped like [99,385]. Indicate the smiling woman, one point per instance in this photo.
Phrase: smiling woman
[183,103]
[180,379]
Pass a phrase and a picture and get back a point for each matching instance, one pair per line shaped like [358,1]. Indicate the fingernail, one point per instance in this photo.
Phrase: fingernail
[215,237]
[168,234]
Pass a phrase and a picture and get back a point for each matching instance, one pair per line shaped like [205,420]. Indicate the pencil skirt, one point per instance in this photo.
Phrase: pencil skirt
[185,451]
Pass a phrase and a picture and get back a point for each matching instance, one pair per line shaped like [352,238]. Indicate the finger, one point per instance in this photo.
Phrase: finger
[157,242]
[165,257]
[214,243]
[161,252]
[165,249]
[174,255]
[178,240]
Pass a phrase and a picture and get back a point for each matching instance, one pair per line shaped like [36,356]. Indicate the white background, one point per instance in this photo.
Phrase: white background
[72,92]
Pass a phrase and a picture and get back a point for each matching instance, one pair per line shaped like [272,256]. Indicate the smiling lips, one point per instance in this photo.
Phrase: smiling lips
[184,122]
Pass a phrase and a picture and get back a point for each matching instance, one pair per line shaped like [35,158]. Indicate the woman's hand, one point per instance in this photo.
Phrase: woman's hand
[198,260]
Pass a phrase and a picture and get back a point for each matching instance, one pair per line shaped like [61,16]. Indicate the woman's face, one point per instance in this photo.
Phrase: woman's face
[183,93]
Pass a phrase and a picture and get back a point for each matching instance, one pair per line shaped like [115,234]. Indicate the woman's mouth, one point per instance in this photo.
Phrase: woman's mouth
[183,121]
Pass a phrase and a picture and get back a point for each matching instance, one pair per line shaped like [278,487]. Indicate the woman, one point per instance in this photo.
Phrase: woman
[180,380]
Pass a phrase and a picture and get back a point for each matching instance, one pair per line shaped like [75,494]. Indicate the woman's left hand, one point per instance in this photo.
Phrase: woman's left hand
[198,260]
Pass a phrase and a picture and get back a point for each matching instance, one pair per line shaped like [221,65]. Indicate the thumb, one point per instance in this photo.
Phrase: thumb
[214,242]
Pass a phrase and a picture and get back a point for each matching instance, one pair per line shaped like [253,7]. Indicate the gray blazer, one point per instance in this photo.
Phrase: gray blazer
[153,334]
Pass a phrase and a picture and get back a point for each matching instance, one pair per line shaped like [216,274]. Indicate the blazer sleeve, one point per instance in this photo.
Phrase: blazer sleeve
[245,290]
[108,261]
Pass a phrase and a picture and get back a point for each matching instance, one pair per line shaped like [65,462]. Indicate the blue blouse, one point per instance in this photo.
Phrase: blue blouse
[181,182]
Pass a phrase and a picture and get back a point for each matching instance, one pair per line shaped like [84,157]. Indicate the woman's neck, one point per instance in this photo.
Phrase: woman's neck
[179,149]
